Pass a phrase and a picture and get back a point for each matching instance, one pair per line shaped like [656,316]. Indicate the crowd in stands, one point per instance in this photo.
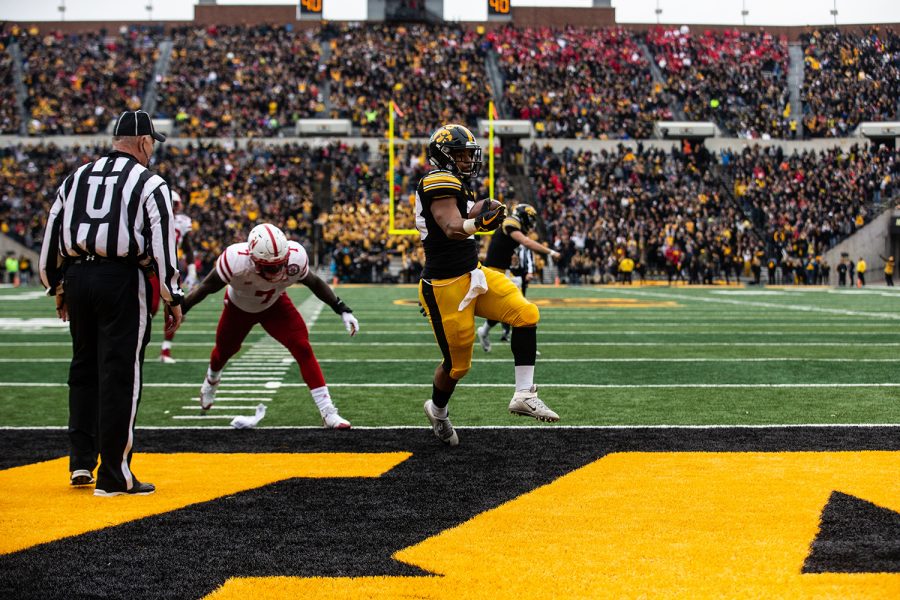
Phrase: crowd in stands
[849,78]
[693,216]
[227,81]
[78,83]
[804,203]
[684,213]
[253,81]
[737,79]
[578,82]
[666,211]
[435,74]
[9,113]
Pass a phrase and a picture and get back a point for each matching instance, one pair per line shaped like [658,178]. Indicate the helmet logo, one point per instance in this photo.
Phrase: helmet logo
[443,135]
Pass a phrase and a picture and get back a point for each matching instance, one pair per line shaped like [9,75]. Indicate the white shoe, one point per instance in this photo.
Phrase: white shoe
[443,429]
[167,359]
[208,393]
[484,337]
[527,404]
[335,421]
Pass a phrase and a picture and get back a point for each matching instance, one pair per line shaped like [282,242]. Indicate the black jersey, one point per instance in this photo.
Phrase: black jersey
[502,247]
[444,257]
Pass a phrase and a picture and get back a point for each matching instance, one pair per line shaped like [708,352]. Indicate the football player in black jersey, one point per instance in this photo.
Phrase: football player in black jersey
[455,288]
[511,234]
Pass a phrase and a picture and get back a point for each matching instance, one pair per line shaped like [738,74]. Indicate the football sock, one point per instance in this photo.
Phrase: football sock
[322,399]
[524,377]
[489,323]
[166,345]
[524,345]
[213,376]
[440,398]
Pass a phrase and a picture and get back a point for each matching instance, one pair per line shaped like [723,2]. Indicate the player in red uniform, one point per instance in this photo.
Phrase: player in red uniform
[257,273]
[183,228]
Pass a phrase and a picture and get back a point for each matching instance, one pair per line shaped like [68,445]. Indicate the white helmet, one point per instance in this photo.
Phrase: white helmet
[269,251]
[176,201]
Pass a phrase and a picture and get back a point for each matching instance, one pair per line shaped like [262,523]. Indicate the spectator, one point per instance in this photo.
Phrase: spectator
[579,82]
[735,78]
[849,78]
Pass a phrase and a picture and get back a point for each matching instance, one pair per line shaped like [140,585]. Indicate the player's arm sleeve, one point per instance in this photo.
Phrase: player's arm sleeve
[226,263]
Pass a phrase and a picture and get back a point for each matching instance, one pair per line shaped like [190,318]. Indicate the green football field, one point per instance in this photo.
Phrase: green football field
[609,357]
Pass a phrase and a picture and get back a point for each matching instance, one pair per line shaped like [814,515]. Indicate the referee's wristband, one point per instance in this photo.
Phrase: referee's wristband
[469,226]
[340,307]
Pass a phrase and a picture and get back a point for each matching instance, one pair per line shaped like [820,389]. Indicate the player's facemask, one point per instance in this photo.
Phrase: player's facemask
[271,272]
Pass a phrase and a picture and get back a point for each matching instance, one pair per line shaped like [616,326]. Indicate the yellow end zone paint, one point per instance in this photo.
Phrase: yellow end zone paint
[38,506]
[581,303]
[655,525]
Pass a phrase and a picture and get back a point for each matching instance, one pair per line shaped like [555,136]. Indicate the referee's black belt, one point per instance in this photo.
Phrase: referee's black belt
[94,259]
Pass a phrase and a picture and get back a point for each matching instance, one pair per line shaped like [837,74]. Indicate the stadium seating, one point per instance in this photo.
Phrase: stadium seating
[78,83]
[807,202]
[9,115]
[240,81]
[736,79]
[849,78]
[579,83]
[435,74]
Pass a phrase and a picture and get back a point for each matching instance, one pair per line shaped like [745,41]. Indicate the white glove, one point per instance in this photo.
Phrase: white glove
[250,422]
[554,255]
[191,280]
[350,323]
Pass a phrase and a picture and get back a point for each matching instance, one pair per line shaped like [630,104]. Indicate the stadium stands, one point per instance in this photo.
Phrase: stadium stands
[9,115]
[736,79]
[850,78]
[77,83]
[240,81]
[579,83]
[600,207]
[435,74]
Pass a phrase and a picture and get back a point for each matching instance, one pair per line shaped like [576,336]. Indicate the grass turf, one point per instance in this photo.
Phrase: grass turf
[609,356]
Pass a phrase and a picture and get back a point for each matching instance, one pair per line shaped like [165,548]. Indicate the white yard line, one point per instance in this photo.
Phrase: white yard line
[596,386]
[760,304]
[277,376]
[548,428]
[430,344]
[258,369]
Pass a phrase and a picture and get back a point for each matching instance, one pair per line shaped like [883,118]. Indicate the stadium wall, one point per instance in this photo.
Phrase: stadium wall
[870,242]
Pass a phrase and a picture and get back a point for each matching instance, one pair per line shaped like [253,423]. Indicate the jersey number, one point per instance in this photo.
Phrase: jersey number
[267,295]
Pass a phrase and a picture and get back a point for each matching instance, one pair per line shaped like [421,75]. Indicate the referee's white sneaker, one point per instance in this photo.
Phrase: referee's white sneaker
[526,403]
[81,477]
[208,393]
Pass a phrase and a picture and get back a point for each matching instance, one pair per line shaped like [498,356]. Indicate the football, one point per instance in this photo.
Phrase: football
[479,206]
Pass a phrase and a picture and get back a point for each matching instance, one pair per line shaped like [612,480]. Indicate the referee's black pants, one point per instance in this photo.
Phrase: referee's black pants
[109,320]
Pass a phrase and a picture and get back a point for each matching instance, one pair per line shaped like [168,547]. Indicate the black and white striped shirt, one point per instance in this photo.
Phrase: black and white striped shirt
[526,261]
[114,208]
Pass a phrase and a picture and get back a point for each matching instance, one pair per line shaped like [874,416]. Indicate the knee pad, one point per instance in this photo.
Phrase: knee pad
[459,371]
[528,316]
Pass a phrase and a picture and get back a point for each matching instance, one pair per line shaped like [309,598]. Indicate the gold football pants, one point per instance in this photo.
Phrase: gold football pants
[454,329]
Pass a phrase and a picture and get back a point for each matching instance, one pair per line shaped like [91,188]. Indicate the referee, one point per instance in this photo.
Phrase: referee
[111,222]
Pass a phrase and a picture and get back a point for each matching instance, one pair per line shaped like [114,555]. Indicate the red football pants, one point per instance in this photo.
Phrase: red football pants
[282,322]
